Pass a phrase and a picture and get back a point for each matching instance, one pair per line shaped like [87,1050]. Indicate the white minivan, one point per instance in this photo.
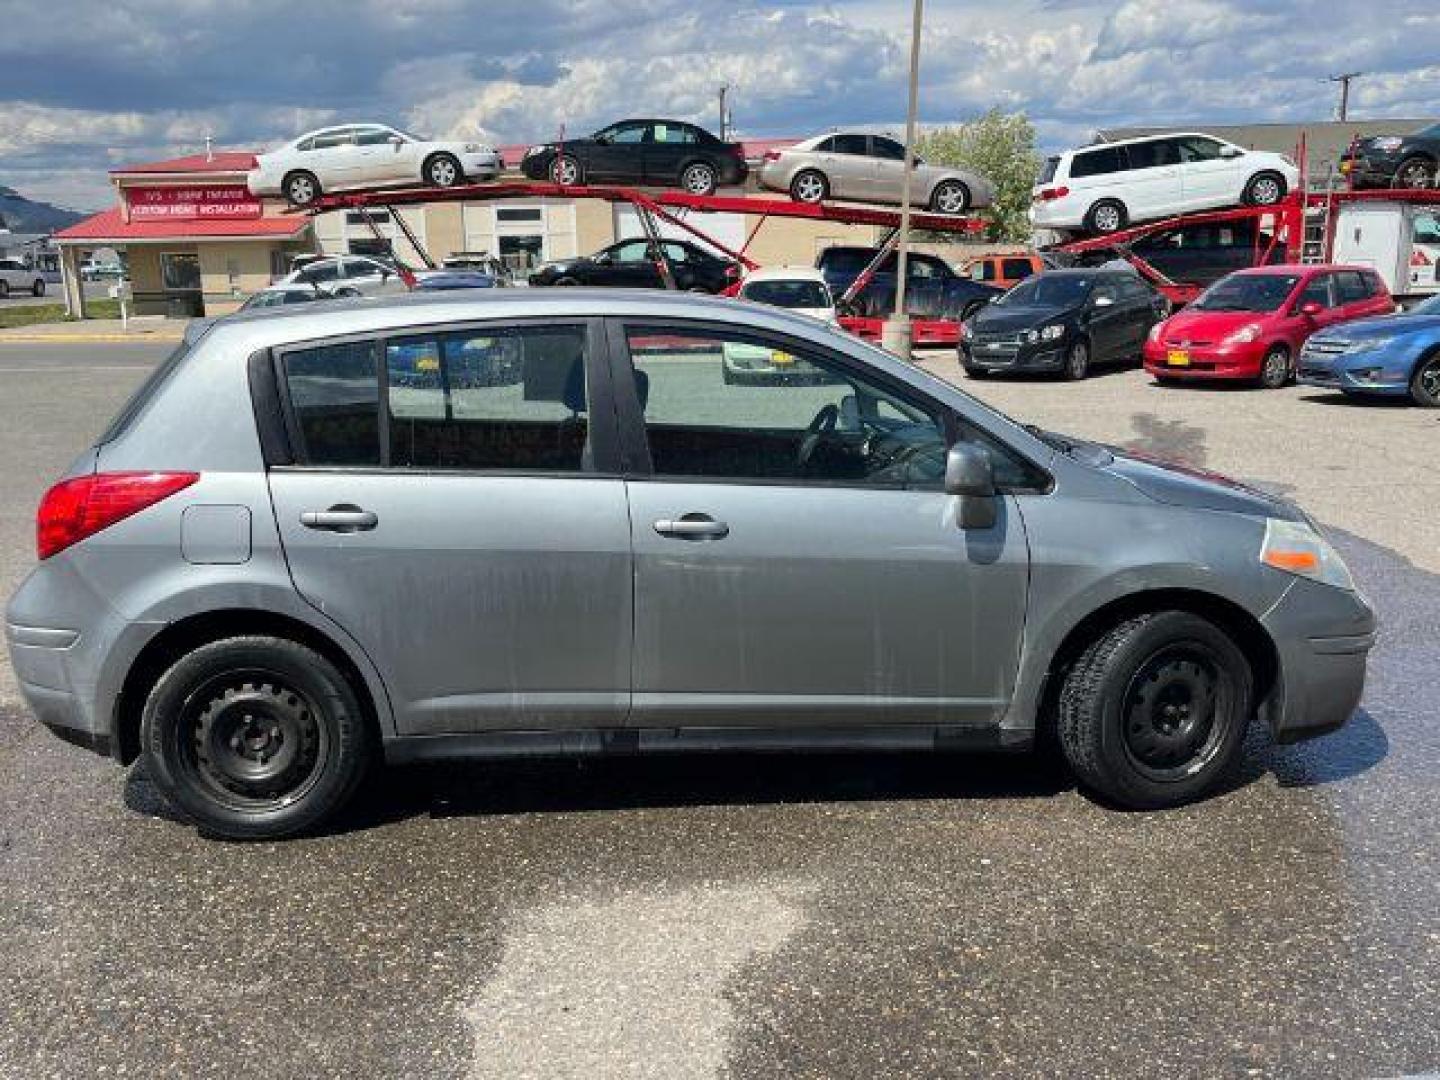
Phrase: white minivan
[1104,188]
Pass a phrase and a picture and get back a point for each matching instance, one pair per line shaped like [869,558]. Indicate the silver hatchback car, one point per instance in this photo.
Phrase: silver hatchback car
[544,523]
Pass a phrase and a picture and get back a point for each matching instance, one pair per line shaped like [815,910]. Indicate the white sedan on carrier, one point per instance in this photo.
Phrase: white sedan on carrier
[366,155]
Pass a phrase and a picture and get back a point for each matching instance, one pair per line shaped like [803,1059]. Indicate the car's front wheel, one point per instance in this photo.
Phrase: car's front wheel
[1425,383]
[1264,189]
[301,188]
[1154,711]
[1077,361]
[255,737]
[810,186]
[1275,368]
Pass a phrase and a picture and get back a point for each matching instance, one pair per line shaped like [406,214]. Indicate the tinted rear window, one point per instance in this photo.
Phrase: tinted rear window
[138,400]
[845,260]
[335,398]
[797,293]
[1047,171]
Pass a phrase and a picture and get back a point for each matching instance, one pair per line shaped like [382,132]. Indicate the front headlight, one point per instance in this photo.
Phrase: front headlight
[1052,333]
[1155,332]
[1296,548]
[1244,335]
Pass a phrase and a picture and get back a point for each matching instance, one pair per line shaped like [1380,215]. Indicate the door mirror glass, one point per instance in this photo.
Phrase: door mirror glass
[1230,152]
[970,476]
[396,141]
[1311,309]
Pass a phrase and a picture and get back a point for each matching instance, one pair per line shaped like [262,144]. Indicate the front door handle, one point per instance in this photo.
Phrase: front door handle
[693,527]
[343,518]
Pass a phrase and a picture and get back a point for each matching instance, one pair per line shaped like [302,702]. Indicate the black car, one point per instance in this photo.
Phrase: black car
[1197,254]
[659,153]
[1062,321]
[630,265]
[932,289]
[1395,161]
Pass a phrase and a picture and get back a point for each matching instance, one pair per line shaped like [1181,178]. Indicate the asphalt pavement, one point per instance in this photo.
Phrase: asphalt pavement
[824,916]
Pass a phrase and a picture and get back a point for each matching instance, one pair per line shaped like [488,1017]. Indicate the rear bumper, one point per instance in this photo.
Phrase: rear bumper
[1323,636]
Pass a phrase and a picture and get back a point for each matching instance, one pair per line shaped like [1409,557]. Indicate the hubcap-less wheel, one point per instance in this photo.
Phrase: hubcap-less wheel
[1415,173]
[1077,361]
[1170,712]
[565,172]
[255,743]
[698,180]
[809,187]
[1275,369]
[300,190]
[1425,388]
[950,198]
[444,172]
[1265,191]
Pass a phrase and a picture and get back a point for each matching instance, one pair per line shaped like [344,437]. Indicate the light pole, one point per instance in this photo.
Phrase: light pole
[895,335]
[1345,80]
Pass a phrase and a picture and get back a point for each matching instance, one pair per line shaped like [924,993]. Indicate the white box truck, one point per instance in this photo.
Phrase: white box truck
[1400,240]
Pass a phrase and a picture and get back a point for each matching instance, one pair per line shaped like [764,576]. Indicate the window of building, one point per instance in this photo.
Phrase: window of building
[180,271]
[365,217]
[505,214]
[522,252]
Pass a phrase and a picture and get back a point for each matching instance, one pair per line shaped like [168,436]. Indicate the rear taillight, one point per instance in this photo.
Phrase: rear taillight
[732,272]
[772,155]
[1050,194]
[80,507]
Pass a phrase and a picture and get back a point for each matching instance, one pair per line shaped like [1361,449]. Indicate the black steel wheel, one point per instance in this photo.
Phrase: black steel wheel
[1425,383]
[38,289]
[1153,712]
[255,737]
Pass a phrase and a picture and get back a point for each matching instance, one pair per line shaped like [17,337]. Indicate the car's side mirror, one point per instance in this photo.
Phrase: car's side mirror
[603,259]
[1311,309]
[1104,301]
[1230,152]
[970,477]
[396,141]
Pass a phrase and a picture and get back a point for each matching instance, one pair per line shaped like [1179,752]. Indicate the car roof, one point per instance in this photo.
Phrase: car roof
[784,273]
[1145,138]
[1298,268]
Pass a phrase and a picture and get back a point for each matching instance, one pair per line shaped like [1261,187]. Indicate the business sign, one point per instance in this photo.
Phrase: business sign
[196,202]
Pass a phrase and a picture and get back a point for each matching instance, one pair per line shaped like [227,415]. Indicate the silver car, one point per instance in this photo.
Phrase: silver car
[542,523]
[860,167]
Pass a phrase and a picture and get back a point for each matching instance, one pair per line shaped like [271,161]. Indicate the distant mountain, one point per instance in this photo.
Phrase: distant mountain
[21,215]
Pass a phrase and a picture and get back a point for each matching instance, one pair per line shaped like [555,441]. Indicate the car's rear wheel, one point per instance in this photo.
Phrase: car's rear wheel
[301,188]
[1275,368]
[565,171]
[255,737]
[698,178]
[1107,216]
[1154,711]
[1425,383]
[810,186]
[950,197]
[1415,172]
[1077,361]
[1264,189]
[443,171]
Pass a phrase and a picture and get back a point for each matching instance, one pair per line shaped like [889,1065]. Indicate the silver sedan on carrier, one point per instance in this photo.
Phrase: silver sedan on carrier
[542,522]
[860,167]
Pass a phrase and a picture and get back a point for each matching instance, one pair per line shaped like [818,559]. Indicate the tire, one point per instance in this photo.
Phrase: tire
[565,281]
[1425,383]
[301,188]
[1416,172]
[38,289]
[210,719]
[566,171]
[810,186]
[1275,368]
[698,178]
[971,308]
[1077,361]
[1264,189]
[950,197]
[1167,380]
[1107,216]
[1126,724]
[973,372]
[443,171]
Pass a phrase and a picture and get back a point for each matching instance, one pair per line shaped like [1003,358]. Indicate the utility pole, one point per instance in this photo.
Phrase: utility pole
[1344,81]
[725,89]
[895,334]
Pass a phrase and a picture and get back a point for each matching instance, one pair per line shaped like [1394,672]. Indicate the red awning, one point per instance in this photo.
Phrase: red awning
[109,227]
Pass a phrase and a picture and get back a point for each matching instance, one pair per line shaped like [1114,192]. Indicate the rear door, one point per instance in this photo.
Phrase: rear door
[454,505]
[850,168]
[667,147]
[1152,185]
[1358,297]
[797,561]
[888,157]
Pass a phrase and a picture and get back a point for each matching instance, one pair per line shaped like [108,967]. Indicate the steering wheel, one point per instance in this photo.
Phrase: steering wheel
[824,423]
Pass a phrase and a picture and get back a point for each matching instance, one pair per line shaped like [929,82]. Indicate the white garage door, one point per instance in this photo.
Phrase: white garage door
[727,229]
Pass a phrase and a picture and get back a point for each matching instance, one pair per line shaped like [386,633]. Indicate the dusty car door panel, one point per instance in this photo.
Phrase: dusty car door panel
[763,598]
[466,542]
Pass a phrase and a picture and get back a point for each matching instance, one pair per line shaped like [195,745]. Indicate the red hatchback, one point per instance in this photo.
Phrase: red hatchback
[1251,324]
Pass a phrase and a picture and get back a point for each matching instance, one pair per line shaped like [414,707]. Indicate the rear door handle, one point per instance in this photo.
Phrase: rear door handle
[342,518]
[693,527]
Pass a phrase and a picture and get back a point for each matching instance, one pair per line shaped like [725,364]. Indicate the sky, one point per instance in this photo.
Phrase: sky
[88,85]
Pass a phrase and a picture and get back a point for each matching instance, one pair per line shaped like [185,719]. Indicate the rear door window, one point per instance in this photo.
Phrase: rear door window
[1018,269]
[1352,286]
[1319,291]
[1101,162]
[334,401]
[851,144]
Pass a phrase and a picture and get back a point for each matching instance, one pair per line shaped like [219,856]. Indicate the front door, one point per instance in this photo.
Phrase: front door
[1208,178]
[619,155]
[797,562]
[450,513]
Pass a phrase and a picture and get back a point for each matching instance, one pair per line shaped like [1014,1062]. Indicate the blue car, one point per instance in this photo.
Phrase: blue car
[453,279]
[1393,356]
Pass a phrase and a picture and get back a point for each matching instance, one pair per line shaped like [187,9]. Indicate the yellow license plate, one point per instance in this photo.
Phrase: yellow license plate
[1178,358]
[1346,166]
[777,357]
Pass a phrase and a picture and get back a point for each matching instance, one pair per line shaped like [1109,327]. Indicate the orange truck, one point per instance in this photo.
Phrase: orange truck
[1003,269]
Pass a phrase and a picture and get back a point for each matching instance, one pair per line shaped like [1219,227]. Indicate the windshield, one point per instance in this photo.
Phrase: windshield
[1431,132]
[1429,307]
[1247,292]
[1049,290]
[798,293]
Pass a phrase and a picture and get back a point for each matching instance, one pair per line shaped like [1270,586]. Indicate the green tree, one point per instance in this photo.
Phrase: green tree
[1000,147]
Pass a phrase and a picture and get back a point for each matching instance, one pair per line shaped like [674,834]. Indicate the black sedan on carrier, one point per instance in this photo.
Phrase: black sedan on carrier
[657,153]
[1395,161]
[1062,321]
[630,264]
